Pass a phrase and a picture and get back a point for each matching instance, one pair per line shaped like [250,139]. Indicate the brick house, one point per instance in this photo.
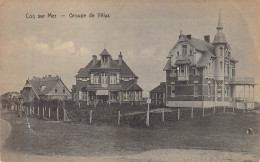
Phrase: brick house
[46,88]
[200,73]
[106,81]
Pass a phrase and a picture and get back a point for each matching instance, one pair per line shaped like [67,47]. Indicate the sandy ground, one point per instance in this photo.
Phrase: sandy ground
[154,155]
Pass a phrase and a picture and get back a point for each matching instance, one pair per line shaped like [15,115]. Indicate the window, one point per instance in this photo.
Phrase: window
[103,78]
[113,96]
[125,95]
[104,60]
[184,49]
[137,95]
[190,52]
[56,90]
[221,51]
[219,92]
[117,78]
[84,96]
[182,70]
[172,91]
[63,90]
[194,71]
[178,54]
[233,71]
[113,79]
[95,78]
[196,90]
[221,64]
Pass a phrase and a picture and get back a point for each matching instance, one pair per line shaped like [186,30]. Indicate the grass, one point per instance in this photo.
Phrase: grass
[225,132]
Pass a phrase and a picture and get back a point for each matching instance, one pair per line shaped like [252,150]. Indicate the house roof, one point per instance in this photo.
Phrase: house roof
[104,52]
[125,71]
[159,88]
[130,85]
[168,65]
[202,45]
[43,86]
[204,60]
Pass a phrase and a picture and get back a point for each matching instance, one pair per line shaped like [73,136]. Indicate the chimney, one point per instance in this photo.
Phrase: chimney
[120,58]
[207,38]
[94,59]
[189,36]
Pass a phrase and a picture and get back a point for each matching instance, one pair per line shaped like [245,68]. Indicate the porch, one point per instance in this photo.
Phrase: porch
[244,99]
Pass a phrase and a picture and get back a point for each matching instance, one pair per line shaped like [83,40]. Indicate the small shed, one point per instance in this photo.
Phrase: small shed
[158,96]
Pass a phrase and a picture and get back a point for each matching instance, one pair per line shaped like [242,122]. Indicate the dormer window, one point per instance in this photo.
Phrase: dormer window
[104,60]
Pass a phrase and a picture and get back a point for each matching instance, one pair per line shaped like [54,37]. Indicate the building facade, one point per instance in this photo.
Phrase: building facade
[106,81]
[46,88]
[201,73]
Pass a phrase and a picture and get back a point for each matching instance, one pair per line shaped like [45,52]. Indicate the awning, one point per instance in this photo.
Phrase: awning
[101,92]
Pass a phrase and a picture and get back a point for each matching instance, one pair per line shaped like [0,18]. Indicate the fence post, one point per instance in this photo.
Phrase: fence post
[163,115]
[118,121]
[203,111]
[214,109]
[90,117]
[178,114]
[49,113]
[224,110]
[38,111]
[43,112]
[147,116]
[192,113]
[57,114]
[233,109]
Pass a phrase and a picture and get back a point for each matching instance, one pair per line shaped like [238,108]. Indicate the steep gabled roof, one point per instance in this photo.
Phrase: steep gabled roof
[104,52]
[130,85]
[48,83]
[167,65]
[85,72]
[125,71]
[202,45]
[159,88]
[207,50]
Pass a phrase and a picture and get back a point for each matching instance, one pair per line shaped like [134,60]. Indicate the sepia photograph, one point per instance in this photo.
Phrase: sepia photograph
[139,80]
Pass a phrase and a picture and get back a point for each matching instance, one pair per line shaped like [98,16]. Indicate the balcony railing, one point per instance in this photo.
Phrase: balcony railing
[241,80]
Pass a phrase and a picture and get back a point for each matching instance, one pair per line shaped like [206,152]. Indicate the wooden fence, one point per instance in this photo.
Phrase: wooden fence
[139,118]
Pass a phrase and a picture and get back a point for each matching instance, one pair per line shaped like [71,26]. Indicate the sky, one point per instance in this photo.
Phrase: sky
[144,31]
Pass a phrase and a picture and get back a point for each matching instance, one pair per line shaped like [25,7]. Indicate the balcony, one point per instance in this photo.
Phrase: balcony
[183,78]
[238,80]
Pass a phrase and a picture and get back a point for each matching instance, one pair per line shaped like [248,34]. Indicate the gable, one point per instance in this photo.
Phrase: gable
[60,86]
